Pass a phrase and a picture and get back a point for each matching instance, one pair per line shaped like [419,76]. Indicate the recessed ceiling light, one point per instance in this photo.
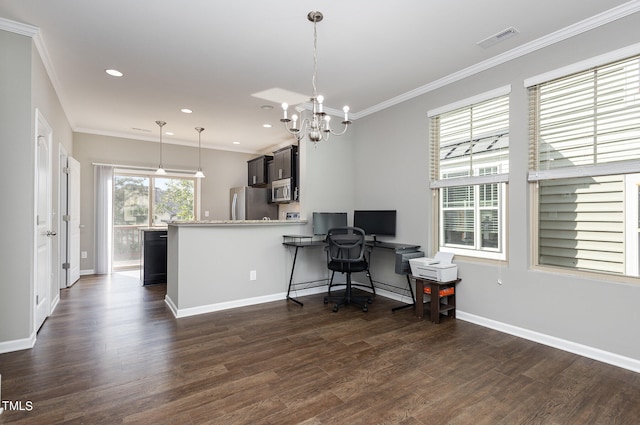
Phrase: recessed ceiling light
[266,125]
[186,110]
[114,72]
[266,107]
[236,143]
[169,133]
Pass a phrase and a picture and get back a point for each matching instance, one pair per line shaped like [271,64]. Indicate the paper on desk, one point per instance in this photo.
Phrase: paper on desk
[444,257]
[440,258]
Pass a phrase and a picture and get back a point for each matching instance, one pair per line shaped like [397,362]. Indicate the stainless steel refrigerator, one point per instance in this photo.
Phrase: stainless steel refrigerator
[251,203]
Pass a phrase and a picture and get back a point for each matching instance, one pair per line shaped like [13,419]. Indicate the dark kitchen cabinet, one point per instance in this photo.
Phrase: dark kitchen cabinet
[153,261]
[257,171]
[285,163]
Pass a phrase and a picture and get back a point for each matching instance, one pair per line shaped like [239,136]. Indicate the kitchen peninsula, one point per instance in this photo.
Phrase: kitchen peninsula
[216,265]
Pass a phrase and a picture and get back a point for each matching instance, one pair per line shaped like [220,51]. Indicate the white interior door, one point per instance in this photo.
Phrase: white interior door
[63,223]
[44,232]
[73,199]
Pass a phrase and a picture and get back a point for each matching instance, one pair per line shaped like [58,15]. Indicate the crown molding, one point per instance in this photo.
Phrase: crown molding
[588,24]
[38,41]
[18,27]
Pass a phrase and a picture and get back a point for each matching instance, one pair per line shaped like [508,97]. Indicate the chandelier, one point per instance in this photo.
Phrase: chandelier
[317,127]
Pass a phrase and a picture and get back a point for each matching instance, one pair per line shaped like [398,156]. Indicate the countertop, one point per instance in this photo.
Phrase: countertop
[235,222]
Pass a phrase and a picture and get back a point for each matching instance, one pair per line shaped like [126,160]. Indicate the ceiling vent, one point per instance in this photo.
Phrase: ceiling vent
[497,38]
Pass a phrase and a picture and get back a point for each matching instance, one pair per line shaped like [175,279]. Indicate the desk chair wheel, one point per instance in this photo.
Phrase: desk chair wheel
[335,308]
[365,309]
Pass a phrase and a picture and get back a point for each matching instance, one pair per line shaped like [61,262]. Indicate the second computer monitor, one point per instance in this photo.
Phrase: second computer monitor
[323,221]
[376,222]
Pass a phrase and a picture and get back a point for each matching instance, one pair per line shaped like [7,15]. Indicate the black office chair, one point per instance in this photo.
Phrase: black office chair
[345,254]
[367,255]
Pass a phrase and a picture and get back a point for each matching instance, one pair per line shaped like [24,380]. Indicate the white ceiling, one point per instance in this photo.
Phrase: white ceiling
[211,56]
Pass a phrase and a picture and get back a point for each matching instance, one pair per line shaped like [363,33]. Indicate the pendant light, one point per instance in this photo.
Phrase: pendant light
[160,171]
[199,174]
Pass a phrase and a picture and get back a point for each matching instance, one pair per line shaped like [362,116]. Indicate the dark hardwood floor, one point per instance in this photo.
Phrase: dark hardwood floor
[112,353]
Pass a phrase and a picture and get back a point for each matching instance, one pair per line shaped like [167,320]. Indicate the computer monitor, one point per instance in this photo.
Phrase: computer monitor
[323,221]
[376,222]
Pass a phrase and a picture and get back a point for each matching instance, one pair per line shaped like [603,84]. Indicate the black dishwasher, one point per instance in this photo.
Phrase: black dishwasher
[153,261]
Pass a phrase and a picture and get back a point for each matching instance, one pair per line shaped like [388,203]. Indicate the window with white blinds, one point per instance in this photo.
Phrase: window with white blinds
[584,153]
[587,119]
[469,153]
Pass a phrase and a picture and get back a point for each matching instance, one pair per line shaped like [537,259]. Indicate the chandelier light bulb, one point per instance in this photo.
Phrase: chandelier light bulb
[346,113]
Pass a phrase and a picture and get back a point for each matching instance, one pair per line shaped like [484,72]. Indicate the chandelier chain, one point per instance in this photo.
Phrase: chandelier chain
[315,60]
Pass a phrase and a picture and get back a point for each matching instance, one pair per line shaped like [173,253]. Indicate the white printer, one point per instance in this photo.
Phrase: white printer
[438,268]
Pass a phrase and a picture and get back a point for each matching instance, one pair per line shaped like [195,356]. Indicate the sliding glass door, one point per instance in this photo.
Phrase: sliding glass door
[144,200]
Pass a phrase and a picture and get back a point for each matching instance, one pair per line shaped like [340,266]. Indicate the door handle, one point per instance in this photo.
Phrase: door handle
[50,233]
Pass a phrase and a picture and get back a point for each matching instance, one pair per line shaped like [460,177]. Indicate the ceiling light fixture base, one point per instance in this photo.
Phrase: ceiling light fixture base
[315,16]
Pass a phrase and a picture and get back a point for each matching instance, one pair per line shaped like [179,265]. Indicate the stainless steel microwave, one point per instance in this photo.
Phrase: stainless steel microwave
[281,191]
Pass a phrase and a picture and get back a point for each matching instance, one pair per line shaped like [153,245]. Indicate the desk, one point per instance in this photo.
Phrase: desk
[398,249]
[304,241]
[435,306]
[298,241]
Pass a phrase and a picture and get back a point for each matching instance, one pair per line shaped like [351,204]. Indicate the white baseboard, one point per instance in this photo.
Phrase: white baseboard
[172,306]
[87,272]
[18,344]
[562,344]
[210,308]
[393,296]
[55,303]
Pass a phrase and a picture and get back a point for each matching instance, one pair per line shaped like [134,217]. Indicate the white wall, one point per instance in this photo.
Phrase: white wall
[44,98]
[25,87]
[16,183]
[392,162]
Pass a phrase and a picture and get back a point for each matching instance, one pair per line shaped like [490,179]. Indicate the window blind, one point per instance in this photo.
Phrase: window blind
[469,139]
[588,119]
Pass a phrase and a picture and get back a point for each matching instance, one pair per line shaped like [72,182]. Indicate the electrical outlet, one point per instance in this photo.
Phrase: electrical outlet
[83,254]
[206,213]
[252,275]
